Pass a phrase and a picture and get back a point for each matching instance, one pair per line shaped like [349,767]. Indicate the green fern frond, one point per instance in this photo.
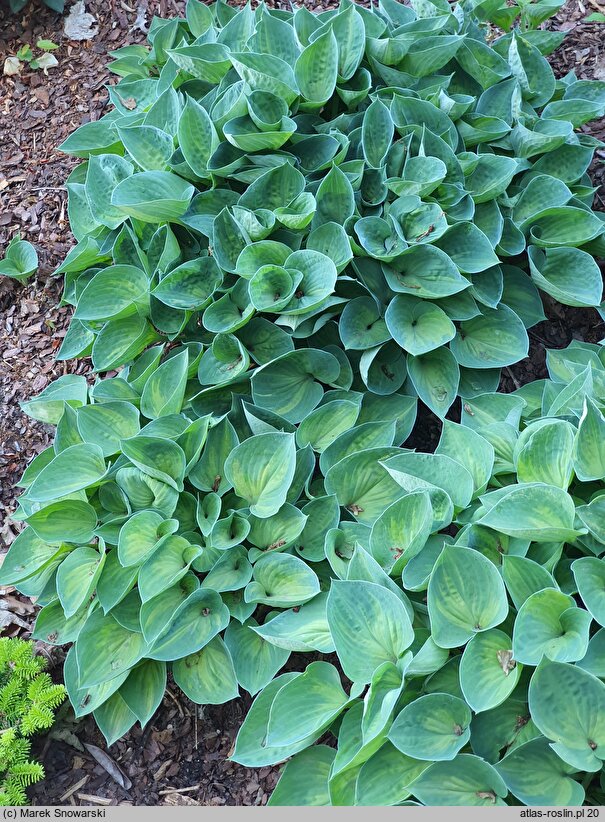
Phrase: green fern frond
[12,795]
[13,751]
[28,699]
[38,718]
[26,773]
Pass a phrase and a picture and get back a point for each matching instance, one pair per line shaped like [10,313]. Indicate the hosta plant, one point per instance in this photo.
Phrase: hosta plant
[289,228]
[477,678]
[20,260]
[378,180]
[28,699]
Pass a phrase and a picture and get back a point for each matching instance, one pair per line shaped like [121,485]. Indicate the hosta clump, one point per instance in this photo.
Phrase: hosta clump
[477,672]
[380,180]
[154,527]
[289,228]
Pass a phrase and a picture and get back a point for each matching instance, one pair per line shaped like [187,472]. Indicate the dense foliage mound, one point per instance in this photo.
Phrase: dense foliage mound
[28,699]
[290,228]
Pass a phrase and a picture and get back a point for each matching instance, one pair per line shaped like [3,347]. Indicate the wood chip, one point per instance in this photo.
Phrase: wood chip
[74,788]
[95,800]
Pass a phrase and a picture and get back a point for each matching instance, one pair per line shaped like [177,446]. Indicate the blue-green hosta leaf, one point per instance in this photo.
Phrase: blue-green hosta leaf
[255,661]
[402,530]
[251,747]
[592,517]
[369,626]
[482,63]
[209,473]
[436,377]
[83,565]
[421,176]
[323,425]
[114,718]
[105,649]
[466,595]
[120,341]
[524,577]
[565,226]
[533,511]
[353,750]
[550,624]
[87,700]
[434,727]
[261,470]
[267,73]
[277,532]
[589,446]
[544,453]
[190,286]
[494,339]
[317,282]
[206,61]
[304,780]
[95,137]
[383,369]
[197,136]
[281,581]
[589,575]
[428,54]
[164,390]
[432,471]
[488,671]
[149,147]
[49,404]
[470,449]
[386,777]
[579,734]
[303,628]
[20,260]
[168,563]
[306,706]
[159,458]
[194,624]
[377,133]
[144,689]
[115,582]
[490,177]
[152,196]
[230,572]
[361,325]
[68,520]
[418,326]
[362,485]
[104,173]
[594,659]
[465,780]
[468,247]
[570,275]
[316,69]
[207,677]
[28,555]
[138,536]
[106,424]
[155,615]
[335,199]
[78,467]
[537,776]
[290,385]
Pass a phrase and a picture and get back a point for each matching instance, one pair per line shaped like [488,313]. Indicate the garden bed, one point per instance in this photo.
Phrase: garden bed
[182,755]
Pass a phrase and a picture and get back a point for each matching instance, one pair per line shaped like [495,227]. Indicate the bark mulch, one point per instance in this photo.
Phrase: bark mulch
[182,756]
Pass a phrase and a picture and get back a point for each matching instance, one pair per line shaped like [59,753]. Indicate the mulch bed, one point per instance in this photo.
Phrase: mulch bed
[181,757]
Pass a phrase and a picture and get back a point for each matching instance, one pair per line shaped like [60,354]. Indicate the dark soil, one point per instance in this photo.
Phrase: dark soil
[185,747]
